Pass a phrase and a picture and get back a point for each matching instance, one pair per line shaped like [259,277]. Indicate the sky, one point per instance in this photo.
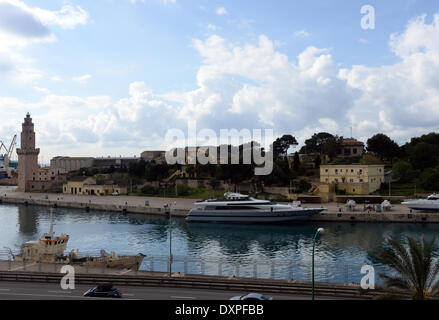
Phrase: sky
[111,77]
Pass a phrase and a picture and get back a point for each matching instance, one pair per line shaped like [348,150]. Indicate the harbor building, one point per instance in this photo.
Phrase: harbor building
[77,163]
[157,156]
[31,177]
[88,186]
[27,155]
[354,178]
[350,148]
[72,164]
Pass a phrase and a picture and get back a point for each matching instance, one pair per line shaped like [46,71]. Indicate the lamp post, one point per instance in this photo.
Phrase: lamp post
[170,239]
[319,230]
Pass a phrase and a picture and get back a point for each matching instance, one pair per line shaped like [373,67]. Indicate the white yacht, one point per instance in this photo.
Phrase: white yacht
[429,204]
[239,208]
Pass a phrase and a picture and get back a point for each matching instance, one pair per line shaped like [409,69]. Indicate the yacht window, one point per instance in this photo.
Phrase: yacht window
[233,207]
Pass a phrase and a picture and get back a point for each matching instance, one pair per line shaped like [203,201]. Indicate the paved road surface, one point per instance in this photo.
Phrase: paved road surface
[51,291]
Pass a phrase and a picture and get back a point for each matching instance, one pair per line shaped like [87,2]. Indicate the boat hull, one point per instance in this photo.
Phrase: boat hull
[422,206]
[264,217]
[121,262]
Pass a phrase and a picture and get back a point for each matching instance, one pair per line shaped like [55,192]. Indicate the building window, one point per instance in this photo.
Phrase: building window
[361,180]
[354,150]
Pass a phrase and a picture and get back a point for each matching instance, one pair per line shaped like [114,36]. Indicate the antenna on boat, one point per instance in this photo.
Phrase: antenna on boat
[51,224]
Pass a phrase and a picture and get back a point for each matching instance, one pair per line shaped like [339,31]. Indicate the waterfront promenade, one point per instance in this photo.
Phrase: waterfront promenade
[180,207]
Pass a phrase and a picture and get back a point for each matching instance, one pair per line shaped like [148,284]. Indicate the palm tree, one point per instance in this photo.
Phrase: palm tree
[416,270]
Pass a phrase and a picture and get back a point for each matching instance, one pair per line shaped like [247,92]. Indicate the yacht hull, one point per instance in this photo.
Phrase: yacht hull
[422,205]
[251,217]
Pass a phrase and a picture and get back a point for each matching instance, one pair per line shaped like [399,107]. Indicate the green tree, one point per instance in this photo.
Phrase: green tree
[296,162]
[149,190]
[317,161]
[322,143]
[423,155]
[382,146]
[183,189]
[214,183]
[416,271]
[281,145]
[430,179]
[302,186]
[431,138]
[368,158]
[403,171]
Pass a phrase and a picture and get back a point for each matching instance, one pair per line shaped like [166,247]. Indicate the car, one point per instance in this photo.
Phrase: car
[252,296]
[115,193]
[104,291]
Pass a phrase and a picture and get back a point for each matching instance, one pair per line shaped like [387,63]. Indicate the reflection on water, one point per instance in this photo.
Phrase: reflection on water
[341,243]
[27,220]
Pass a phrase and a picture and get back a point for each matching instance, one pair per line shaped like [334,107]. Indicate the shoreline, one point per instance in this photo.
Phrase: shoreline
[180,207]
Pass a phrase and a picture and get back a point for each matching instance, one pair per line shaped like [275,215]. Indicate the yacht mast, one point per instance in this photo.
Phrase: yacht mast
[51,224]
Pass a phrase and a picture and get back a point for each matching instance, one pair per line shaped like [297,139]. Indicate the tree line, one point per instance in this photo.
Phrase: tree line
[417,158]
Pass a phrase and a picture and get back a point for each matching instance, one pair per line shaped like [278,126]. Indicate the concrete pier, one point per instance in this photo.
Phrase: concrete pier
[180,207]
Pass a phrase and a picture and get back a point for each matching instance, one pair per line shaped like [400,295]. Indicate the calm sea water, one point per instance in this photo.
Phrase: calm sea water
[277,251]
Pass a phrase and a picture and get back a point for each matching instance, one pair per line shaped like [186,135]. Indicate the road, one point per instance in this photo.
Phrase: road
[52,291]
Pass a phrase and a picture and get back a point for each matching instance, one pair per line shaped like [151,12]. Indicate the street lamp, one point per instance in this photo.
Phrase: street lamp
[170,239]
[319,230]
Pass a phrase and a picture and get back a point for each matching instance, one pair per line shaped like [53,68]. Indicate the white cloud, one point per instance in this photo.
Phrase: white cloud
[221,11]
[95,125]
[301,34]
[82,79]
[144,1]
[253,85]
[402,98]
[22,25]
[68,17]
[213,27]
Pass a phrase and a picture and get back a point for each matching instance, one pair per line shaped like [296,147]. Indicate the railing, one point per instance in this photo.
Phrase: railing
[275,269]
[256,269]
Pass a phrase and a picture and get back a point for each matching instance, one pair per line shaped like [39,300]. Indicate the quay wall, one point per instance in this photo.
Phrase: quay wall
[377,217]
[94,206]
[334,212]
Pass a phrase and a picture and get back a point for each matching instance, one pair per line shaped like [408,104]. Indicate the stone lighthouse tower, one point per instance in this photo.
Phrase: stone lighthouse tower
[27,155]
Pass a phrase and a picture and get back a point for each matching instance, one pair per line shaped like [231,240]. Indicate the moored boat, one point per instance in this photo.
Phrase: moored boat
[429,204]
[50,249]
[239,208]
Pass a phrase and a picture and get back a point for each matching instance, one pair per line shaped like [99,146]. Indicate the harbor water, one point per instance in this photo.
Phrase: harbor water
[264,251]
